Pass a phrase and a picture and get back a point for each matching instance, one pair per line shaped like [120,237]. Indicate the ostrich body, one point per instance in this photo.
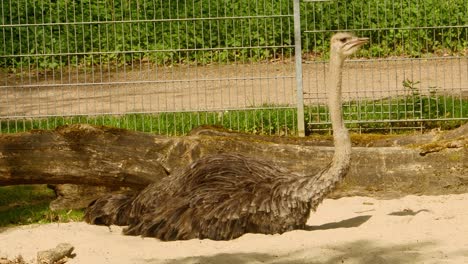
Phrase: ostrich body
[224,196]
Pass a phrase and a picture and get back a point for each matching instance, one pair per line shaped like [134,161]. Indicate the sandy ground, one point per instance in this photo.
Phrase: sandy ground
[413,229]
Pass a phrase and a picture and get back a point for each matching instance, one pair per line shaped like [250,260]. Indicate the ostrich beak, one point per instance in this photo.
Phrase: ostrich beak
[358,42]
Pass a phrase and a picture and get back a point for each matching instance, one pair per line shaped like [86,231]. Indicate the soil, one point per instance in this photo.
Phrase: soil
[142,87]
[413,229]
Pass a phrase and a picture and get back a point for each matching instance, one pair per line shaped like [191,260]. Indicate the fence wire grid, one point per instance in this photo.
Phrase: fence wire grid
[169,66]
[413,72]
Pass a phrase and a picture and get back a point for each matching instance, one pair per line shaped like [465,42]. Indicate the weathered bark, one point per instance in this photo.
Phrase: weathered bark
[99,156]
[83,154]
[57,255]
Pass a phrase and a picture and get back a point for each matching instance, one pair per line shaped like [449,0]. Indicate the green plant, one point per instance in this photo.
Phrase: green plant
[52,34]
[411,86]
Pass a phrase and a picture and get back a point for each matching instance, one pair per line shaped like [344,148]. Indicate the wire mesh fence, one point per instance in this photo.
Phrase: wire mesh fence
[414,71]
[166,66]
[169,66]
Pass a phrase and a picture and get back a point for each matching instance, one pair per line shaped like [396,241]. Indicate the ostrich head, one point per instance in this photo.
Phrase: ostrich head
[345,44]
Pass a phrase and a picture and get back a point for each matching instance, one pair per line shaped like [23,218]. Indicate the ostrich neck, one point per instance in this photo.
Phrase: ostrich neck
[314,188]
[331,176]
[340,133]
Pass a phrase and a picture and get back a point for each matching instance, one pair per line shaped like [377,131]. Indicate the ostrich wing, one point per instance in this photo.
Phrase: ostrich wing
[219,197]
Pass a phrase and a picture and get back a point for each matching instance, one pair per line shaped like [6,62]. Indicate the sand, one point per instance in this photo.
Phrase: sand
[413,229]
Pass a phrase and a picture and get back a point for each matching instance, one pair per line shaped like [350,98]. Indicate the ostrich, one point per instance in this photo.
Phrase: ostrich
[224,196]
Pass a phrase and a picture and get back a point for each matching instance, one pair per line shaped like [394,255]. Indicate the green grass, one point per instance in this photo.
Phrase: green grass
[417,110]
[415,107]
[259,121]
[28,204]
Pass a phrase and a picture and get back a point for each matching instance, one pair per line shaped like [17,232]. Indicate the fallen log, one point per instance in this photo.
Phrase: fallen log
[57,255]
[101,156]
[81,154]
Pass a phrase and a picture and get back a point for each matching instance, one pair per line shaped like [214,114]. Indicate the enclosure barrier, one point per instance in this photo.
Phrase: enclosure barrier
[253,66]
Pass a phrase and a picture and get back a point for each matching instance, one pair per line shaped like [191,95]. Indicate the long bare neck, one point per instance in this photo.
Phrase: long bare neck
[314,188]
[341,138]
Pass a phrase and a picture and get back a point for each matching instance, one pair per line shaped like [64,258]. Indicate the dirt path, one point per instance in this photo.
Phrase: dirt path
[414,229]
[146,88]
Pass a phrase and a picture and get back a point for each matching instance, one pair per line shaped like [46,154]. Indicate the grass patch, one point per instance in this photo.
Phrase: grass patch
[267,121]
[425,111]
[28,204]
[414,111]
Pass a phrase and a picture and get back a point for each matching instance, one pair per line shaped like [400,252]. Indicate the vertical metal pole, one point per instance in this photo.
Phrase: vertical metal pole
[298,58]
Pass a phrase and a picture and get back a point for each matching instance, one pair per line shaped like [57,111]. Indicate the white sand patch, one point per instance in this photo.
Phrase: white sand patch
[414,229]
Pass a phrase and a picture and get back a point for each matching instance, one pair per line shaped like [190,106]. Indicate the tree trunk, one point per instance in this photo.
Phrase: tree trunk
[83,154]
[100,156]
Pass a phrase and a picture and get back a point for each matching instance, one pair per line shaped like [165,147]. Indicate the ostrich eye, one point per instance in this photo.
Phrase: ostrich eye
[343,40]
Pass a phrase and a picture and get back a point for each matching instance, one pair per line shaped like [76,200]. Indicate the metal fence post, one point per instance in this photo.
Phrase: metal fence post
[298,59]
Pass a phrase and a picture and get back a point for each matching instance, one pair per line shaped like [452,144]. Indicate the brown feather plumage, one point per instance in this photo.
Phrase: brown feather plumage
[110,209]
[222,197]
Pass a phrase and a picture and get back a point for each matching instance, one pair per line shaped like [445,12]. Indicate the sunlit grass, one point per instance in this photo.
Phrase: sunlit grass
[28,204]
[428,112]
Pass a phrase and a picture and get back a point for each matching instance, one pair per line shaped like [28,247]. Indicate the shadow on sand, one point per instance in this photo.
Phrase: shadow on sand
[357,252]
[348,223]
